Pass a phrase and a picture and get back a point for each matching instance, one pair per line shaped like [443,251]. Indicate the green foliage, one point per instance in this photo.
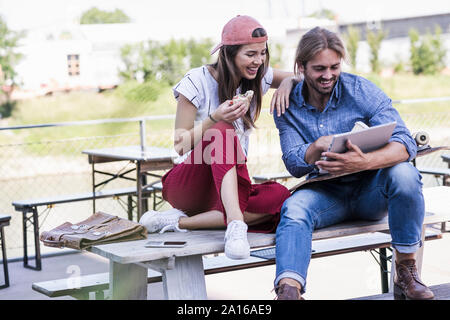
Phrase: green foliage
[276,55]
[324,14]
[199,52]
[427,52]
[374,40]
[163,62]
[139,92]
[9,58]
[6,108]
[399,66]
[351,38]
[95,15]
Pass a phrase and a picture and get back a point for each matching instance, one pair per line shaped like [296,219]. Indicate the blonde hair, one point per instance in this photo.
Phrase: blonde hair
[315,41]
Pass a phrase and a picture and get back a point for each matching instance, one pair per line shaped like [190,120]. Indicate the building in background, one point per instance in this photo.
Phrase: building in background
[395,47]
[69,57]
[73,57]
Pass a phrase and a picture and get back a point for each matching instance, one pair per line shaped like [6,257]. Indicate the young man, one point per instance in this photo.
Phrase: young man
[325,103]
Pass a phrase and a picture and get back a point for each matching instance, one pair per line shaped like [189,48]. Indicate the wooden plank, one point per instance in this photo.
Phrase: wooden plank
[127,281]
[98,159]
[4,220]
[435,171]
[77,197]
[69,286]
[199,242]
[441,292]
[218,264]
[131,153]
[206,242]
[156,165]
[186,281]
[272,176]
[211,241]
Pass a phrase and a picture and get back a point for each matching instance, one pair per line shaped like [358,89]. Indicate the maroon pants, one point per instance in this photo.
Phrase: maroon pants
[194,185]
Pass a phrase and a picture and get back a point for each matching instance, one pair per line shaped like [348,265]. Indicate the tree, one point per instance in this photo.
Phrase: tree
[95,15]
[427,53]
[351,38]
[166,62]
[9,58]
[374,40]
[276,55]
[324,14]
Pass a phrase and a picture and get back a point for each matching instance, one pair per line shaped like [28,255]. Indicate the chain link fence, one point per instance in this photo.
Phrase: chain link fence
[48,168]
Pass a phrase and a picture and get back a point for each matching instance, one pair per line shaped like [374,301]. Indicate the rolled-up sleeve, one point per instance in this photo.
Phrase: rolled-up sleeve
[293,147]
[401,133]
[383,113]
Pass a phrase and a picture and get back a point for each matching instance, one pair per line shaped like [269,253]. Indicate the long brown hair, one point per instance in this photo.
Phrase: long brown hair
[313,42]
[229,80]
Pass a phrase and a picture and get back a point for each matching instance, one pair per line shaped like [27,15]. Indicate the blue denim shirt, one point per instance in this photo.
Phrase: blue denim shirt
[353,99]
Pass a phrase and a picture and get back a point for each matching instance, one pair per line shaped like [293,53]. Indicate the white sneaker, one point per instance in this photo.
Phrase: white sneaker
[164,221]
[236,243]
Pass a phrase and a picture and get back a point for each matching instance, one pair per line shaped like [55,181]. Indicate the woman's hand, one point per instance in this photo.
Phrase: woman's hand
[280,98]
[229,111]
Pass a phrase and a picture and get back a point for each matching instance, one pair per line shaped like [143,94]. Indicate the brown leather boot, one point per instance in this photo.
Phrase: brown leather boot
[407,283]
[287,292]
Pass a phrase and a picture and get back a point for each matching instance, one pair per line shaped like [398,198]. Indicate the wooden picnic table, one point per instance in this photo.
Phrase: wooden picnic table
[145,159]
[446,158]
[182,268]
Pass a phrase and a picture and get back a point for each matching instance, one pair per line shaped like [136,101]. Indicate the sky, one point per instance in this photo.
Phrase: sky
[206,17]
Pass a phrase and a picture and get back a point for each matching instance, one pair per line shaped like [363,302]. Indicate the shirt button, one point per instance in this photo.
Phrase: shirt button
[321,125]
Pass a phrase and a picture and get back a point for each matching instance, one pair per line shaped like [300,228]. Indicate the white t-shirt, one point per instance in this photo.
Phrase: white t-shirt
[200,87]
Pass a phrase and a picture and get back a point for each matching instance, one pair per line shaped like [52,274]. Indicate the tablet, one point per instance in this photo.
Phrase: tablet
[367,140]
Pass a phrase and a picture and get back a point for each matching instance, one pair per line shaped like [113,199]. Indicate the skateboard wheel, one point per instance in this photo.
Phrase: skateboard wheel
[421,138]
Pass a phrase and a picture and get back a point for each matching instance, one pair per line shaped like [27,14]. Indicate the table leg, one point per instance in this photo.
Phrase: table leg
[139,190]
[93,186]
[127,281]
[186,281]
[141,178]
[384,270]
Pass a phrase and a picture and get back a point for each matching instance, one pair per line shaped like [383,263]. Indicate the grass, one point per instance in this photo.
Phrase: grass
[407,86]
[78,106]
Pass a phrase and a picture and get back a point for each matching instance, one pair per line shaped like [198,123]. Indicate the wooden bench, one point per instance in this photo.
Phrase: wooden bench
[95,286]
[168,264]
[437,173]
[182,270]
[441,292]
[30,214]
[4,221]
[279,176]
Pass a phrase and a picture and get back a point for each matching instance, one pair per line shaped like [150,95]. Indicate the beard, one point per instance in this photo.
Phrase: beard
[317,85]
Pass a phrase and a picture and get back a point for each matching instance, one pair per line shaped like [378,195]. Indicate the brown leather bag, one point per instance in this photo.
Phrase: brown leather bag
[99,228]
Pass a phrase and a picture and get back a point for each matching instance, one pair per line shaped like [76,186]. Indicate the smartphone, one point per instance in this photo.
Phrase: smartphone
[165,244]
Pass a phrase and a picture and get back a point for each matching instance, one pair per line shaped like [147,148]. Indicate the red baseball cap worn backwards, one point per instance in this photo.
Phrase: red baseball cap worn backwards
[239,31]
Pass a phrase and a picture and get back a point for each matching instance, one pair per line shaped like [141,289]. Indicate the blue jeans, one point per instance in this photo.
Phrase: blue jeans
[367,196]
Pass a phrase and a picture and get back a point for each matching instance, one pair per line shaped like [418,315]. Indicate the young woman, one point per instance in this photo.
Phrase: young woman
[210,186]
